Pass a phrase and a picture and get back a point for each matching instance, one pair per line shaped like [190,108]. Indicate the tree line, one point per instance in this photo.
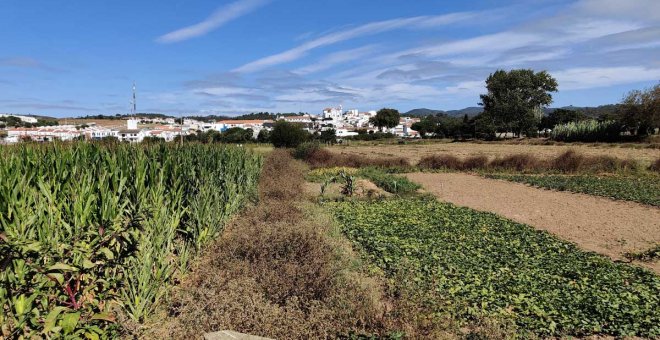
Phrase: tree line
[515,102]
[11,121]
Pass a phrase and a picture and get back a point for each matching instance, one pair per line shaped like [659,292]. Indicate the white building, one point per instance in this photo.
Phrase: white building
[44,133]
[99,133]
[297,119]
[334,113]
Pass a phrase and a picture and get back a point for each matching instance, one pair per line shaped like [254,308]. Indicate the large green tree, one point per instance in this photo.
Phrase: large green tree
[515,99]
[561,116]
[288,135]
[640,111]
[387,118]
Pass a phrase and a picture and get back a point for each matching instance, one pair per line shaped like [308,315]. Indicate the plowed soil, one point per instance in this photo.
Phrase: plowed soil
[597,224]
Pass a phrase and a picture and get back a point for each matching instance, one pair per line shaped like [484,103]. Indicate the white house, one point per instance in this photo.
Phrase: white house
[334,113]
[297,119]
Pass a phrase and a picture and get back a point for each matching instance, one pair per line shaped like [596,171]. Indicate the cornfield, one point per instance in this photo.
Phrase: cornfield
[587,131]
[89,231]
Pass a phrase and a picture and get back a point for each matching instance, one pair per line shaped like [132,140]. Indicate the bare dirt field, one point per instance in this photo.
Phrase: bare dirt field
[98,122]
[415,151]
[596,224]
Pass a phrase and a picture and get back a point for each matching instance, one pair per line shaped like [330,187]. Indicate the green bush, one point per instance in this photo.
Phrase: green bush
[288,135]
[304,150]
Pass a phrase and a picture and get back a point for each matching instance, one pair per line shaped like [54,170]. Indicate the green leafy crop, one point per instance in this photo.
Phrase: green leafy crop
[481,264]
[643,189]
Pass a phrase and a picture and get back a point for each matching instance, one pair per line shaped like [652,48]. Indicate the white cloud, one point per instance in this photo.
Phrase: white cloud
[337,58]
[220,17]
[21,62]
[592,77]
[359,31]
[648,10]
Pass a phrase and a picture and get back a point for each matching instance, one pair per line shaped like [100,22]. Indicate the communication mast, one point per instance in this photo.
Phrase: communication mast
[134,103]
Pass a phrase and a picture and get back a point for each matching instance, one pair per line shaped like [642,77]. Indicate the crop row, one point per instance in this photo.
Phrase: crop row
[391,183]
[88,232]
[642,189]
[472,264]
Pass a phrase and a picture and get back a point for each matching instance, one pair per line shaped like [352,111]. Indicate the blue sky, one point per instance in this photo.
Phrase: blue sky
[74,57]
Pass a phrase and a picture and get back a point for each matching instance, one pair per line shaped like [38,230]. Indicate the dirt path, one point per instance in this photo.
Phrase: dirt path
[594,223]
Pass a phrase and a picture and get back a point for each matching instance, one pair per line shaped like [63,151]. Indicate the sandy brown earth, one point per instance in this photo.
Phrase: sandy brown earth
[596,224]
[414,151]
[363,188]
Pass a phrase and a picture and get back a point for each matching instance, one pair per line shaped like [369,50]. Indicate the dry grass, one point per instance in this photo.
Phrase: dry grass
[567,162]
[284,270]
[655,166]
[321,158]
[276,272]
[415,151]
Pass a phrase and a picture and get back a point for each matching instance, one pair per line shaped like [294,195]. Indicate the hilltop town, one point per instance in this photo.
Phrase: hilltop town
[345,123]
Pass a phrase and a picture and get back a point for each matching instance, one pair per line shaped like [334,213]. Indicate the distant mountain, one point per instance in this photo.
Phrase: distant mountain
[423,112]
[593,112]
[470,111]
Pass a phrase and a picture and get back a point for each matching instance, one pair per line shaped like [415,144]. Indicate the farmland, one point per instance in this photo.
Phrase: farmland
[414,151]
[641,189]
[91,234]
[482,265]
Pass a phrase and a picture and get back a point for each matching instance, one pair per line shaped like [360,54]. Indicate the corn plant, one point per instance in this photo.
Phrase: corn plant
[90,230]
[587,131]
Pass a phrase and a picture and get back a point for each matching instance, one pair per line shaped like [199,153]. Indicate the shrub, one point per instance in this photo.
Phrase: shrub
[440,162]
[519,162]
[305,150]
[587,131]
[475,162]
[568,162]
[288,135]
[322,158]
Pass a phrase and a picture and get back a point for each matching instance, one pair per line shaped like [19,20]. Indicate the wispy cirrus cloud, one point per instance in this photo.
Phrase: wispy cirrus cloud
[337,58]
[26,62]
[352,33]
[582,44]
[220,17]
[591,77]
